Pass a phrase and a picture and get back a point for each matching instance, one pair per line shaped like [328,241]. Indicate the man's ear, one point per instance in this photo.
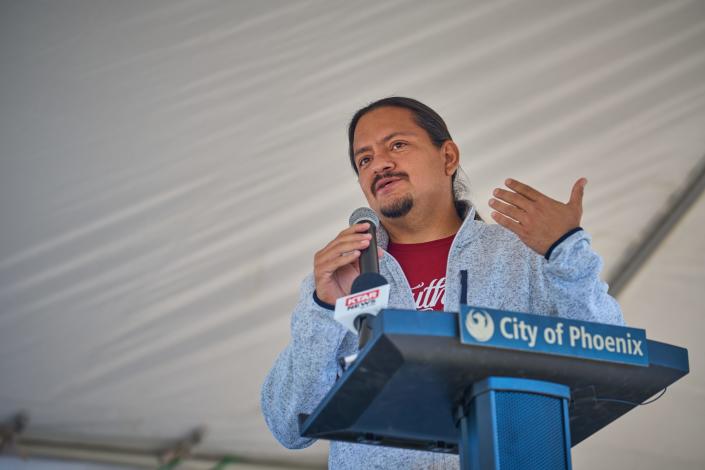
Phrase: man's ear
[451,156]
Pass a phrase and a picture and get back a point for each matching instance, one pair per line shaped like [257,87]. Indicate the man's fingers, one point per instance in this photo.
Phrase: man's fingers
[332,263]
[356,228]
[506,222]
[523,189]
[345,237]
[511,198]
[354,232]
[340,248]
[576,195]
[348,238]
[508,210]
[361,227]
[347,243]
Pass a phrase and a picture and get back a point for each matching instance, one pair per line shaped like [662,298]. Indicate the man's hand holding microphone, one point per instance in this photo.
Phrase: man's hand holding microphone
[337,265]
[346,274]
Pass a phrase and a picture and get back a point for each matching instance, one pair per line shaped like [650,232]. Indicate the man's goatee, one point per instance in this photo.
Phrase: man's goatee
[398,208]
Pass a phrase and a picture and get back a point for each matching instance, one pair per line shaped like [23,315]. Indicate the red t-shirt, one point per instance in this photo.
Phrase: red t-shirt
[424,265]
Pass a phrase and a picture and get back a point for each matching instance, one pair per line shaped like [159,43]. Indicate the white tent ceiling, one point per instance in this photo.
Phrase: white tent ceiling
[167,170]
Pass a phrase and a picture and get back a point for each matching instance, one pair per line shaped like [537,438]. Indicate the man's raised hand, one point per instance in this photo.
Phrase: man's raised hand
[538,220]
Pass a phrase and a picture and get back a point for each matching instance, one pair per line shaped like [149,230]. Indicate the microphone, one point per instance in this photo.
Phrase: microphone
[370,290]
[369,261]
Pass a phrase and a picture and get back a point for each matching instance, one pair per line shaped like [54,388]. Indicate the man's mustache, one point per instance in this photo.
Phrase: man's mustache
[373,186]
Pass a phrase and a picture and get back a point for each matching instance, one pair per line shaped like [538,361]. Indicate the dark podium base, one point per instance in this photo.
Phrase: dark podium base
[510,423]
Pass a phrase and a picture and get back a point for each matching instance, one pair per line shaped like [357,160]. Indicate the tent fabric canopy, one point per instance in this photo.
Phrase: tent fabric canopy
[168,169]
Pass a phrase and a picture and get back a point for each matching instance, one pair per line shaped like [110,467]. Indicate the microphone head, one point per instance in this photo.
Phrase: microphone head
[364,214]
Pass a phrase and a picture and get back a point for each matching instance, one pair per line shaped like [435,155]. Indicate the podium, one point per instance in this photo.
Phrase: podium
[501,389]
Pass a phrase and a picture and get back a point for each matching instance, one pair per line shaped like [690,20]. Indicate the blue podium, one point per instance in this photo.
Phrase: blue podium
[502,389]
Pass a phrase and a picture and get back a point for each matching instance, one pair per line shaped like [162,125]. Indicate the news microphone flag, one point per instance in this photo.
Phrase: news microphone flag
[369,301]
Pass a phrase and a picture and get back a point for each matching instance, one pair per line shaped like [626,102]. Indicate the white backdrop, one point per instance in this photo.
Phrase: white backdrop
[168,169]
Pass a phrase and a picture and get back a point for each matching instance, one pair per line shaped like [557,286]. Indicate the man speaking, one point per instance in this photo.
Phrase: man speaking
[536,259]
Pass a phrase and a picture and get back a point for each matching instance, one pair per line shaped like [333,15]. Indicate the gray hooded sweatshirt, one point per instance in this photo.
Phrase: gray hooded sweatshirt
[503,274]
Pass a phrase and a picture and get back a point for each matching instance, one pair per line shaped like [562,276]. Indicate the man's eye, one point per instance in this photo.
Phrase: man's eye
[398,145]
[363,161]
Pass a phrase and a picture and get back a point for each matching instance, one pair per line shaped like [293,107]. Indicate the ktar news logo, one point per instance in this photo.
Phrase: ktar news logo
[365,298]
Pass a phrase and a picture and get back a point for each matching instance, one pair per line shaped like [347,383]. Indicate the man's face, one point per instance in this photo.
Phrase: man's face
[399,167]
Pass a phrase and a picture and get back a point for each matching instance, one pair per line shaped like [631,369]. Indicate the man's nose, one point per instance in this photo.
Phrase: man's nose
[382,162]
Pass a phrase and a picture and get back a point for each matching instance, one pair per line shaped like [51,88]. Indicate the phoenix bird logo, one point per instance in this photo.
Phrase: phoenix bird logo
[480,325]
